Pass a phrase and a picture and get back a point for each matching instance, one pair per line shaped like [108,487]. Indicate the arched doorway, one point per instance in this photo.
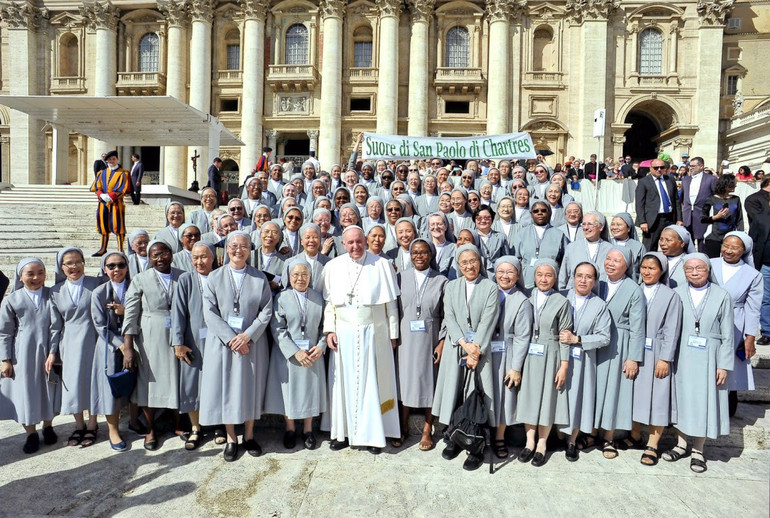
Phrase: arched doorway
[640,137]
[232,179]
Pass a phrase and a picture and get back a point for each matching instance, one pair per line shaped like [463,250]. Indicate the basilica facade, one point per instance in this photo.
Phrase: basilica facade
[300,75]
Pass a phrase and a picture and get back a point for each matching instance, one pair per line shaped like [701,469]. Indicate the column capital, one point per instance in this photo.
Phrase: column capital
[387,8]
[254,9]
[332,8]
[422,10]
[714,12]
[271,134]
[22,15]
[202,10]
[175,12]
[581,10]
[100,15]
[313,134]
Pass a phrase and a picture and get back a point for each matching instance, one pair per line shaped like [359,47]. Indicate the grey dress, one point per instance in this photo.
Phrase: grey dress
[528,248]
[27,397]
[183,261]
[73,336]
[189,329]
[676,275]
[415,371]
[108,327]
[135,266]
[271,268]
[148,318]
[226,373]
[702,408]
[513,333]
[540,403]
[423,207]
[654,399]
[637,253]
[445,260]
[316,267]
[484,310]
[495,247]
[200,219]
[293,390]
[578,252]
[567,232]
[614,392]
[592,324]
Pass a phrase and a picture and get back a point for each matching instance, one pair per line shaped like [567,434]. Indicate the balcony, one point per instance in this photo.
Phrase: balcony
[229,77]
[287,78]
[640,83]
[541,79]
[68,85]
[458,80]
[141,83]
[361,76]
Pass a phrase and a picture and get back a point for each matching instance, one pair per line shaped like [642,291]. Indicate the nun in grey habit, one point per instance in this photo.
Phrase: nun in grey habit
[623,233]
[441,241]
[592,248]
[542,399]
[73,338]
[137,263]
[183,258]
[704,360]
[538,241]
[236,345]
[296,379]
[25,394]
[509,345]
[317,261]
[266,258]
[171,234]
[422,334]
[675,243]
[617,364]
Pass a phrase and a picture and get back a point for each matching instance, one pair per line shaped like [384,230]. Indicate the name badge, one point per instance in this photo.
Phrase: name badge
[235,322]
[417,326]
[498,346]
[168,323]
[203,332]
[533,261]
[696,342]
[576,352]
[536,349]
[470,336]
[648,344]
[303,344]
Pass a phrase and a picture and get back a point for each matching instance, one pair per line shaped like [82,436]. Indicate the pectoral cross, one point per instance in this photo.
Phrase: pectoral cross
[350,298]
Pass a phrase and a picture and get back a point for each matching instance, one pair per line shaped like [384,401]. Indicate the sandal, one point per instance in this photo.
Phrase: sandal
[398,442]
[674,454]
[629,443]
[587,441]
[89,438]
[609,450]
[76,438]
[648,459]
[697,462]
[193,440]
[426,443]
[500,449]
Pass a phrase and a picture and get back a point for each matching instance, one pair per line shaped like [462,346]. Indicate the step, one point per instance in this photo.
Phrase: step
[761,392]
[761,360]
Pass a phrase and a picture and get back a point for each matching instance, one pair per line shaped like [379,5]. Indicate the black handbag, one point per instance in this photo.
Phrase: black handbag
[122,383]
[468,427]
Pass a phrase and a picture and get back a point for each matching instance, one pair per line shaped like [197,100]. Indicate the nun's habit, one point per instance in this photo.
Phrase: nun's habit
[25,320]
[676,275]
[533,243]
[73,336]
[170,235]
[136,263]
[702,407]
[183,259]
[581,251]
[632,243]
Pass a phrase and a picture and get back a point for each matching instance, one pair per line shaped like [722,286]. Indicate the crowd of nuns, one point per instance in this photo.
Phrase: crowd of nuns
[575,329]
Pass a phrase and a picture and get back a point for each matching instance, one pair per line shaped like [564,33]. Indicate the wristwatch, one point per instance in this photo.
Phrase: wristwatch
[579,341]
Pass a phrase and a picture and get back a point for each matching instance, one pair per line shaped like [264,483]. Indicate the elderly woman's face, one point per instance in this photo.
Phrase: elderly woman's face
[336,171]
[553,194]
[299,185]
[376,240]
[289,191]
[237,210]
[467,180]
[397,188]
[697,272]
[506,275]
[227,225]
[268,236]
[505,209]
[430,185]
[238,249]
[465,237]
[175,216]
[160,257]
[619,229]
[545,278]
[405,234]
[414,182]
[209,199]
[442,175]
[374,210]
[592,229]
[348,217]
[486,191]
[732,249]
[254,189]
[202,260]
[324,221]
[351,179]
[261,216]
[319,189]
[585,279]
[308,171]
[615,265]
[287,204]
[522,198]
[300,277]
[324,204]
[311,241]
[190,236]
[559,179]
[573,214]
[470,265]
[670,244]
[437,228]
[445,204]
[458,202]
[293,220]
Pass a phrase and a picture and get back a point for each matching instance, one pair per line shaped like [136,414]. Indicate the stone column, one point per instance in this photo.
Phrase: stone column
[709,74]
[202,13]
[673,46]
[313,134]
[498,109]
[174,170]
[272,140]
[387,89]
[419,69]
[332,13]
[255,14]
[27,141]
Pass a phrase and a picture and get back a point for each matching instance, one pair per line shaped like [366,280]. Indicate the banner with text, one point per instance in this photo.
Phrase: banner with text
[510,145]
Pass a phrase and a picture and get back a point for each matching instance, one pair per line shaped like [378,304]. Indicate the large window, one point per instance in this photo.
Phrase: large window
[542,50]
[651,53]
[149,52]
[362,47]
[458,48]
[297,45]
[732,85]
[233,50]
[68,55]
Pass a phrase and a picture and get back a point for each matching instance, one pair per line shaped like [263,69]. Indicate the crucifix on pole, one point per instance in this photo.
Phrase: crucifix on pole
[195,186]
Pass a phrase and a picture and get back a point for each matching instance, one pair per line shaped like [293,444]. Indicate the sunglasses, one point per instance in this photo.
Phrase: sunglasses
[112,266]
[539,211]
[292,218]
[393,209]
[236,209]
[191,235]
[658,168]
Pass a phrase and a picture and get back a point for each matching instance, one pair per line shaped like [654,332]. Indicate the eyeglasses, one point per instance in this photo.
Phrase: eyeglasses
[469,262]
[393,209]
[112,266]
[191,235]
[300,276]
[238,248]
[658,168]
[236,209]
[73,265]
[691,269]
[587,224]
[420,252]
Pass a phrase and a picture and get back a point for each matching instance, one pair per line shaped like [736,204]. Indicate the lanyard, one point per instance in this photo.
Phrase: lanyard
[702,306]
[200,283]
[236,290]
[266,258]
[539,310]
[302,311]
[166,291]
[592,258]
[538,240]
[420,292]
[468,307]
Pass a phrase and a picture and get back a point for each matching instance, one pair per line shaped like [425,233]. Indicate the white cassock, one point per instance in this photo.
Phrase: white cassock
[362,309]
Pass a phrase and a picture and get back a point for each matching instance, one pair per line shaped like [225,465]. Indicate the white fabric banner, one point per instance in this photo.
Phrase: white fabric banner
[510,145]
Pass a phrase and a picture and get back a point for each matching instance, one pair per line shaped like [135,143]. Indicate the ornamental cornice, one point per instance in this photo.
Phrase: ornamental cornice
[422,10]
[332,8]
[714,12]
[202,10]
[23,15]
[100,15]
[255,9]
[388,8]
[581,10]
[175,11]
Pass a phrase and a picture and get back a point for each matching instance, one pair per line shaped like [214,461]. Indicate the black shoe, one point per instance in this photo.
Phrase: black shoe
[571,453]
[732,402]
[525,455]
[32,444]
[763,340]
[150,444]
[374,450]
[49,436]
[231,451]
[252,447]
[336,445]
[538,460]
[98,254]
[451,451]
[473,462]
[310,441]
[138,430]
[290,439]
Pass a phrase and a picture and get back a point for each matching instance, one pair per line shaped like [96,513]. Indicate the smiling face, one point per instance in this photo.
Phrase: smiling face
[268,236]
[318,189]
[470,265]
[507,275]
[615,265]
[437,228]
[445,204]
[341,197]
[236,209]
[553,194]
[592,229]
[420,256]
[33,276]
[374,210]
[360,194]
[355,243]
[484,221]
[430,185]
[115,268]
[541,173]
[208,199]
[202,259]
[458,202]
[697,272]
[160,257]
[227,225]
[505,209]
[732,249]
[175,216]
[573,214]
[351,179]
[405,234]
[308,171]
[299,277]
[73,265]
[397,188]
[467,180]
[238,249]
[324,221]
[619,229]
[585,279]
[254,189]
[522,198]
[348,217]
[190,236]
[293,220]
[261,215]
[311,241]
[393,211]
[376,240]
[465,237]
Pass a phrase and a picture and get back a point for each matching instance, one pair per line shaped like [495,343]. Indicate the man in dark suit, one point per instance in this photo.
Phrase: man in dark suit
[627,169]
[589,169]
[657,205]
[758,210]
[215,175]
[100,164]
[137,172]
[696,189]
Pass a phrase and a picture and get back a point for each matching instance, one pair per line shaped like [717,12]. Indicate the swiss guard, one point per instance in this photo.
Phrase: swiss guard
[110,185]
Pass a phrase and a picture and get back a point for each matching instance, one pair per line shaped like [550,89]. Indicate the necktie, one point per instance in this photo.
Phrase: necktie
[664,196]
